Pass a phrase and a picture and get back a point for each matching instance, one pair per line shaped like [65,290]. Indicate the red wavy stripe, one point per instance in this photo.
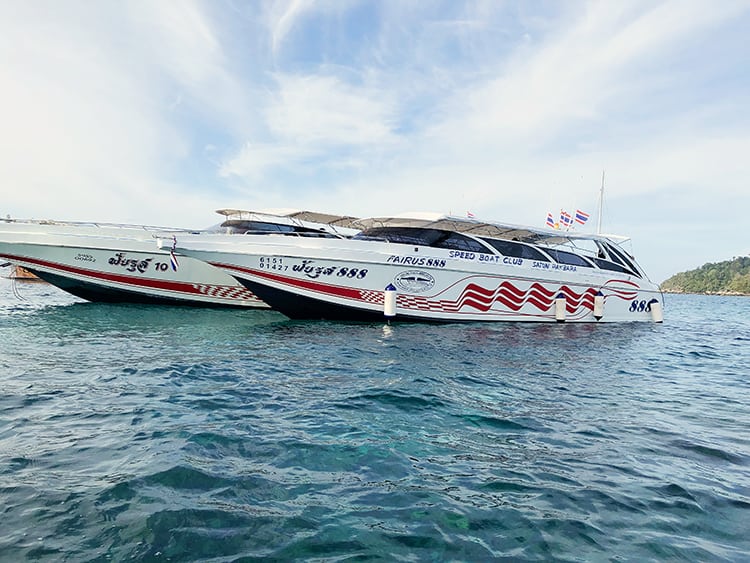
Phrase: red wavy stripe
[514,299]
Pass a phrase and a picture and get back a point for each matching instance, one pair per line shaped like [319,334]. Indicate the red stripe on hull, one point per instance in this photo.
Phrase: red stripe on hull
[186,288]
[328,289]
[474,297]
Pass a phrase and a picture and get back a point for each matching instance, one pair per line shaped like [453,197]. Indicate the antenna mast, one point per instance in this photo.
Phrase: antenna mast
[601,204]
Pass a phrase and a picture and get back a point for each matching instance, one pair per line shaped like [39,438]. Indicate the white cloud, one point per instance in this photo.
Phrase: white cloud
[594,66]
[283,16]
[182,54]
[323,109]
[71,121]
[315,115]
[90,122]
[253,160]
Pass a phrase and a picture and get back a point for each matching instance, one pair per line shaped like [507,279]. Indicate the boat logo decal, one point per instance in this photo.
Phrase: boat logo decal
[414,281]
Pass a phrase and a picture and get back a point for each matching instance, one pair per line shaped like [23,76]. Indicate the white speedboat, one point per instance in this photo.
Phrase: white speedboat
[425,267]
[122,263]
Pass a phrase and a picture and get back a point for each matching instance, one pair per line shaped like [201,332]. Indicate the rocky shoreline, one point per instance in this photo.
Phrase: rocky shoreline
[722,293]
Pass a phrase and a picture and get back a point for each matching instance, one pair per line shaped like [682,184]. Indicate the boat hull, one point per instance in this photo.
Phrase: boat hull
[348,279]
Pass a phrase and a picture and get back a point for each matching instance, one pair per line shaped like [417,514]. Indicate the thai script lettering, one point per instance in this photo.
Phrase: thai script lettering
[314,271]
[130,264]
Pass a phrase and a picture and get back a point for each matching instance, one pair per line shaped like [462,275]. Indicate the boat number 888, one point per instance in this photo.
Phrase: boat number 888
[641,306]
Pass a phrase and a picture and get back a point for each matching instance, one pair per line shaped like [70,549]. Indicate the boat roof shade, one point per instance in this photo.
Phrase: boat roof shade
[482,228]
[301,215]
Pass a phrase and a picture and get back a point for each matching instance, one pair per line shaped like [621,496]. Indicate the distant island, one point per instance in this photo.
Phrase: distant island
[731,277]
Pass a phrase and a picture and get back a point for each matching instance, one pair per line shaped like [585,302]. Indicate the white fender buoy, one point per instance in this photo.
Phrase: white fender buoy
[389,301]
[598,305]
[656,313]
[560,307]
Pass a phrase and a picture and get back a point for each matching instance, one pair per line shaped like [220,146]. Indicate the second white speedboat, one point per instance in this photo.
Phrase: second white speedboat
[108,262]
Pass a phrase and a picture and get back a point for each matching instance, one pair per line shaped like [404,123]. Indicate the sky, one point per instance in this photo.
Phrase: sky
[160,113]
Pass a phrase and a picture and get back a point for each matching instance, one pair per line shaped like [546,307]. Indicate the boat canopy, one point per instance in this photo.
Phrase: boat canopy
[287,220]
[565,247]
[333,220]
[270,215]
[505,231]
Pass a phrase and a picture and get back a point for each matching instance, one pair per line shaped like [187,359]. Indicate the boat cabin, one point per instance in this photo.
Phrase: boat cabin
[467,235]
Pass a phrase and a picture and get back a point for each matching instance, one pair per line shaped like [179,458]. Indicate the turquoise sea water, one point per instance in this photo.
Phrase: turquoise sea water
[177,434]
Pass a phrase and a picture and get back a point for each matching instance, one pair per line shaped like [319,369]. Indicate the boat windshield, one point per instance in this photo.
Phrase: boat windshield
[605,257]
[516,249]
[240,226]
[564,257]
[607,265]
[618,256]
[435,238]
[598,254]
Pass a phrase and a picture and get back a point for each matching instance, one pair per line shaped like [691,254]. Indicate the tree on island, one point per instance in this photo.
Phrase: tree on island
[730,277]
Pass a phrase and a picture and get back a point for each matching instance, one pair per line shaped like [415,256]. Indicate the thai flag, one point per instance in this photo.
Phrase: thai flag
[172,258]
[550,221]
[565,218]
[581,217]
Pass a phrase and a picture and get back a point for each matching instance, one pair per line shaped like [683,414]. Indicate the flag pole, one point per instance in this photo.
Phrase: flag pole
[601,204]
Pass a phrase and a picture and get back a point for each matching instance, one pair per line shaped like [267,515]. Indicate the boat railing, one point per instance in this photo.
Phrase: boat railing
[306,234]
[96,224]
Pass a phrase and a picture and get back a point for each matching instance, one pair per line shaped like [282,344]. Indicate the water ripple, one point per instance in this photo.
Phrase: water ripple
[153,433]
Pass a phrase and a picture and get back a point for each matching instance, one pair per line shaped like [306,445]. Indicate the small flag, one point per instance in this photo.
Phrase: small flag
[172,258]
[550,221]
[581,217]
[469,214]
[565,219]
